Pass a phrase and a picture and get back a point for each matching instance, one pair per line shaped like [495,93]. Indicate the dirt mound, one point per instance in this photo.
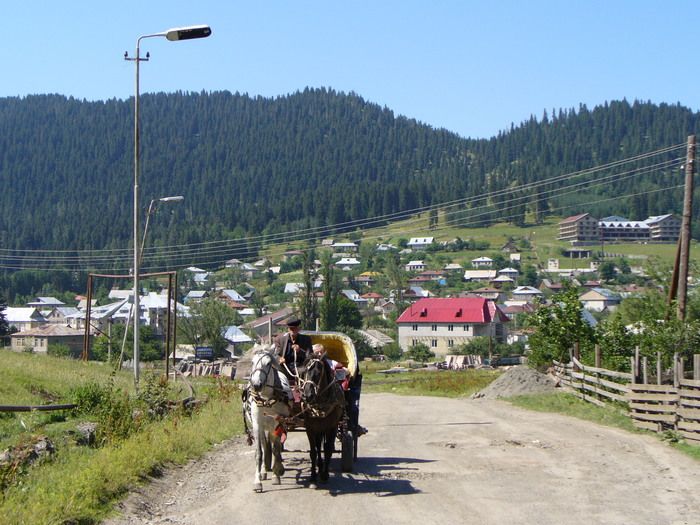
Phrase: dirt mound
[516,381]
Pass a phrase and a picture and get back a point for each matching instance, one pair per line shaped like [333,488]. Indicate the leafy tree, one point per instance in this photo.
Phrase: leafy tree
[557,328]
[617,344]
[331,292]
[205,324]
[349,315]
[308,305]
[150,346]
[607,271]
[392,351]
[4,325]
[419,352]
[529,276]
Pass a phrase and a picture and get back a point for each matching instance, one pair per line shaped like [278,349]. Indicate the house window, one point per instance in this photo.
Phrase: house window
[450,327]
[433,343]
[414,342]
[450,343]
[415,327]
[434,328]
[466,327]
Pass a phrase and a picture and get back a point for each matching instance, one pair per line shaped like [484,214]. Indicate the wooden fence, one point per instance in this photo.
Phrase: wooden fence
[657,407]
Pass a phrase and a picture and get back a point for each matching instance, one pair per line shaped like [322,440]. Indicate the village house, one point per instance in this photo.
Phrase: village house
[509,272]
[61,315]
[493,294]
[525,294]
[420,243]
[372,298]
[415,266]
[443,324]
[600,299]
[345,247]
[356,298]
[45,303]
[38,339]
[366,278]
[195,296]
[480,275]
[23,318]
[347,263]
[482,262]
[375,338]
[273,322]
[501,281]
[453,267]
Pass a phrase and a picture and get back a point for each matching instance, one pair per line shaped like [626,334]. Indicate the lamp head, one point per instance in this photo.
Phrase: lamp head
[188,33]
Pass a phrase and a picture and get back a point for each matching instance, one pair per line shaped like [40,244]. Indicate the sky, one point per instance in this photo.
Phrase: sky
[471,67]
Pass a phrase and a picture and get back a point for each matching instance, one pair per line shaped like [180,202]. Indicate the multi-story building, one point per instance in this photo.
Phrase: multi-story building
[584,229]
[443,324]
[664,228]
[579,228]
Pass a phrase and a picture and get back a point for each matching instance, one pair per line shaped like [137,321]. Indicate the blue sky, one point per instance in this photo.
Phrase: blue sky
[470,67]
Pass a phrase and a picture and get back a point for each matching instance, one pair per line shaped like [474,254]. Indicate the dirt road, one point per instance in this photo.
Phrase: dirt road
[434,460]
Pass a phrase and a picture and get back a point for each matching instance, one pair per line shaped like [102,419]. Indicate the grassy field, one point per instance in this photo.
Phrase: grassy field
[78,484]
[445,383]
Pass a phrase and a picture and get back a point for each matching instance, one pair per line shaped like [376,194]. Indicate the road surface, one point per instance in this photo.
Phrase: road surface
[440,461]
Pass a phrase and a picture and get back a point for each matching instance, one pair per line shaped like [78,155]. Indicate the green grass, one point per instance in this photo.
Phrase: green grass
[80,484]
[445,383]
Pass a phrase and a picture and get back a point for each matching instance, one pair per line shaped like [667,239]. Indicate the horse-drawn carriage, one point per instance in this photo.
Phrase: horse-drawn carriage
[325,410]
[339,347]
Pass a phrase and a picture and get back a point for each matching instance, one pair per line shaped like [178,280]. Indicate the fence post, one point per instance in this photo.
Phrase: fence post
[675,370]
[635,371]
[696,367]
[659,368]
[645,376]
[577,352]
[597,356]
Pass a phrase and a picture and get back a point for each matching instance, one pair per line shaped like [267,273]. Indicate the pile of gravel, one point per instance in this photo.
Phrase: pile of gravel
[518,380]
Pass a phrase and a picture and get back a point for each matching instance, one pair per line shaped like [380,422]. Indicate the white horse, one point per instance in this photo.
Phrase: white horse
[265,406]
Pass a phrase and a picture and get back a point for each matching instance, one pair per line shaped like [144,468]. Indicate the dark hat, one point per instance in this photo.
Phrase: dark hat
[293,321]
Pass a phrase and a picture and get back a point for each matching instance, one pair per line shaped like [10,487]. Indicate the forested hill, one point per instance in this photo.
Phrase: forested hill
[251,165]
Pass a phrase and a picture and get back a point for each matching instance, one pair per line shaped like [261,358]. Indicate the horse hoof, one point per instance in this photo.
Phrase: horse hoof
[276,481]
[263,476]
[257,487]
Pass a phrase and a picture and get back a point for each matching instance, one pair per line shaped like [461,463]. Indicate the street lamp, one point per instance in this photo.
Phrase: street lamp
[180,33]
[151,210]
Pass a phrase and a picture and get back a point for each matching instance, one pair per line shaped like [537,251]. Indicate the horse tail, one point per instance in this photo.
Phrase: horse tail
[244,398]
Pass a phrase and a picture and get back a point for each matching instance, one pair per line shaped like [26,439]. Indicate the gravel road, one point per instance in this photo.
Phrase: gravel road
[435,460]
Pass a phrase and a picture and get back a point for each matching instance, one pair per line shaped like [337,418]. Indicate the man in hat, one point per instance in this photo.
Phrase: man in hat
[292,348]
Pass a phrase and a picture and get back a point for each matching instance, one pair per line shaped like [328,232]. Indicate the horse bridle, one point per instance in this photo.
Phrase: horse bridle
[265,369]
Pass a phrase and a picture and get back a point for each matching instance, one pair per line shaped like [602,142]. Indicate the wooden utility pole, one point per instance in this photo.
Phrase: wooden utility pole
[685,229]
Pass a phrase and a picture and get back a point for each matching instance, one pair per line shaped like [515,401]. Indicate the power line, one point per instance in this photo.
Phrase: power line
[227,248]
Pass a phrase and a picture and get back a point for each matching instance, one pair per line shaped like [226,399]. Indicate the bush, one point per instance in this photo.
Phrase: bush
[59,350]
[419,352]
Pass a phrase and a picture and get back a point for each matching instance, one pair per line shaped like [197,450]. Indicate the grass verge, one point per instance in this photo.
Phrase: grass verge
[80,485]
[612,416]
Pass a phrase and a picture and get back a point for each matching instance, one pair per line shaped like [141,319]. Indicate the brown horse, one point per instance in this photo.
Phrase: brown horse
[323,406]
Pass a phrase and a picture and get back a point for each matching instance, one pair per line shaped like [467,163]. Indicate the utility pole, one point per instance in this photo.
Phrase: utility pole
[685,229]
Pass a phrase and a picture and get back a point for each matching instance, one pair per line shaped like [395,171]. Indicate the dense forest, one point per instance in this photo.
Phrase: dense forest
[252,166]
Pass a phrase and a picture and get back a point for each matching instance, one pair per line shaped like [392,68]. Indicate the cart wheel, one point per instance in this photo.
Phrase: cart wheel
[347,451]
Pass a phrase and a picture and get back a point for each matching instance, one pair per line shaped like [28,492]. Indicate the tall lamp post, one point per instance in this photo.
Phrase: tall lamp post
[181,33]
[151,210]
